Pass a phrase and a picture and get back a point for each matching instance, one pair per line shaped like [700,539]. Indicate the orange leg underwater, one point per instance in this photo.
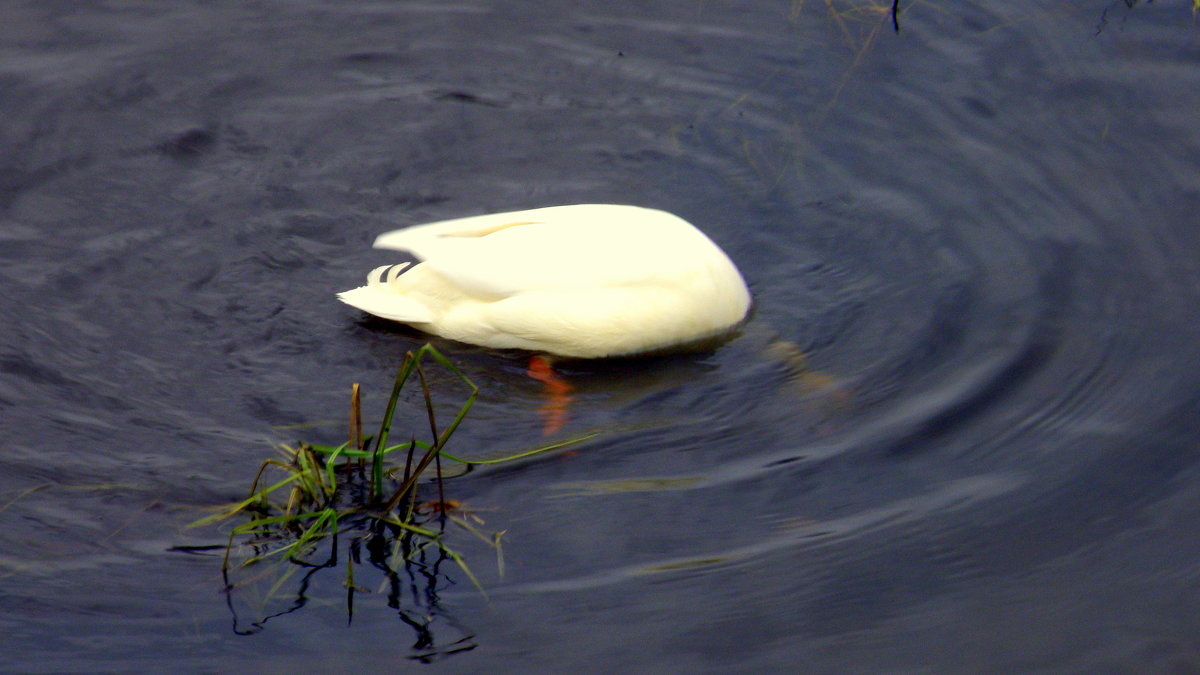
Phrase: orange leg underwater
[554,411]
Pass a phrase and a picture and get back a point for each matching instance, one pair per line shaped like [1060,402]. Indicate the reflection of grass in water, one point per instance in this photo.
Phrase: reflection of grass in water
[860,22]
[1130,4]
[687,564]
[853,27]
[366,491]
[628,485]
[855,30]
[30,553]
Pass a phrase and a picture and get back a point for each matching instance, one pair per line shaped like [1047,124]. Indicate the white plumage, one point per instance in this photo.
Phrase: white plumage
[586,280]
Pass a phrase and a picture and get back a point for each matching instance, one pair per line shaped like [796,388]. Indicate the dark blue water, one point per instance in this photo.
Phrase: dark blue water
[981,232]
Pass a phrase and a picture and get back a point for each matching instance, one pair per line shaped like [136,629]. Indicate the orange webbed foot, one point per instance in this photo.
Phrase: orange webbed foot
[554,412]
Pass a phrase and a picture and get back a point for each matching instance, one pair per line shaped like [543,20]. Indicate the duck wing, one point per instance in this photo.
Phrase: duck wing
[585,246]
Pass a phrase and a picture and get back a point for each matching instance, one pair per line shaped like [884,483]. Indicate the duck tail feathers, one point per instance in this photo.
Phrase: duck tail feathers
[379,300]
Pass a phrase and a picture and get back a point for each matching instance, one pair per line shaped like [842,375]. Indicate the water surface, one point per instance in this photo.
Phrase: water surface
[979,231]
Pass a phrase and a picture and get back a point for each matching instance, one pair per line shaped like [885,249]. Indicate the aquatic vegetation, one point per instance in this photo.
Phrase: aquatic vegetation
[1129,6]
[367,492]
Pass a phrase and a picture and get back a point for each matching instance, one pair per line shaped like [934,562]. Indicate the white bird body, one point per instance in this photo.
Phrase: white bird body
[586,281]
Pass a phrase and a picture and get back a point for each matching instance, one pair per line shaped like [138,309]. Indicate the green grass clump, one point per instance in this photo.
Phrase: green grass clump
[300,504]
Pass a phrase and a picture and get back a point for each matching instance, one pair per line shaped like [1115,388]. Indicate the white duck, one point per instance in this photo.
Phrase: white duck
[584,281]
